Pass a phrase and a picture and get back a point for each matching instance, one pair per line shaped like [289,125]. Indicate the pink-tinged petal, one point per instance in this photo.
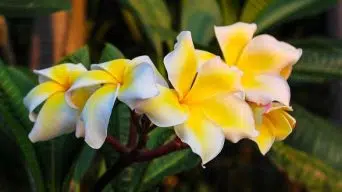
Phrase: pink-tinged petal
[233,38]
[146,59]
[263,89]
[39,94]
[96,114]
[233,115]
[205,138]
[164,110]
[54,119]
[80,130]
[265,54]
[64,74]
[214,78]
[139,83]
[181,64]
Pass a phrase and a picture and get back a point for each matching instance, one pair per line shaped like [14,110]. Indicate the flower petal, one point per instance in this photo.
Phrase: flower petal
[139,83]
[115,67]
[88,82]
[54,119]
[233,39]
[80,130]
[146,59]
[65,74]
[39,94]
[203,57]
[203,136]
[263,89]
[233,115]
[164,110]
[282,126]
[265,54]
[265,138]
[96,114]
[181,64]
[213,78]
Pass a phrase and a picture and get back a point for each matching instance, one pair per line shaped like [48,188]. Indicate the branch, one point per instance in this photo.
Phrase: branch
[116,144]
[170,147]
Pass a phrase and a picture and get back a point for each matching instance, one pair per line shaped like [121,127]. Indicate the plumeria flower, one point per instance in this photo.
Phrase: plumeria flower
[203,107]
[273,123]
[266,63]
[55,117]
[127,80]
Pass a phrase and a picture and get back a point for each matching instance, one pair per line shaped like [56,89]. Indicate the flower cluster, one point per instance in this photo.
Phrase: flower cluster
[246,95]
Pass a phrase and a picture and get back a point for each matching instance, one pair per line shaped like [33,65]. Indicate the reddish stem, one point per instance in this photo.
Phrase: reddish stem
[133,133]
[172,146]
[116,144]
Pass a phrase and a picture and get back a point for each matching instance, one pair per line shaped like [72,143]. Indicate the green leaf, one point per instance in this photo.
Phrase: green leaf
[170,164]
[83,163]
[22,80]
[30,8]
[252,9]
[80,56]
[199,17]
[12,109]
[322,58]
[306,169]
[230,11]
[152,14]
[110,52]
[279,11]
[317,137]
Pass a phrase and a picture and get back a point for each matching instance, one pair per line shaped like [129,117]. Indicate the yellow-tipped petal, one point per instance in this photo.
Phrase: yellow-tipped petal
[164,110]
[88,81]
[203,136]
[233,115]
[286,72]
[265,54]
[39,94]
[54,119]
[213,78]
[146,59]
[263,89]
[233,38]
[181,64]
[64,74]
[139,83]
[265,139]
[282,126]
[96,114]
[115,67]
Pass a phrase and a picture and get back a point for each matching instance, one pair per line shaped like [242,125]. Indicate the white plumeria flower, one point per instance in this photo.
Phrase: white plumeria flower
[127,80]
[203,106]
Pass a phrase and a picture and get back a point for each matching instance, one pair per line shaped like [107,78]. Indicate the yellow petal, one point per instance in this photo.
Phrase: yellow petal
[265,54]
[39,94]
[263,89]
[164,110]
[203,57]
[286,72]
[233,115]
[181,64]
[233,38]
[203,136]
[265,139]
[86,84]
[115,67]
[282,126]
[54,119]
[64,74]
[213,78]
[96,114]
[139,83]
